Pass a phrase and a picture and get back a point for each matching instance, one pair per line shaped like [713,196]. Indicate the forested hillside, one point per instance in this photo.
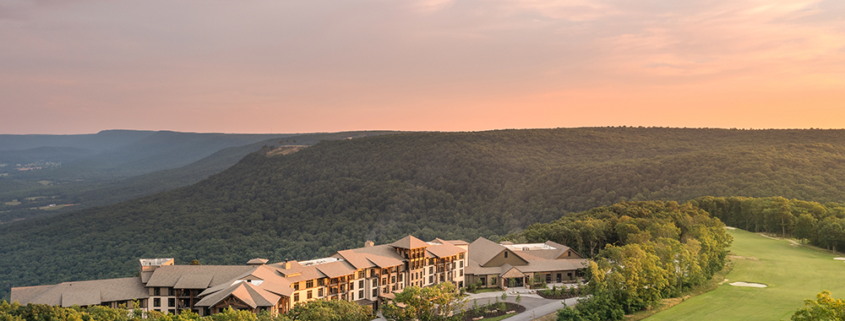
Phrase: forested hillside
[113,177]
[336,194]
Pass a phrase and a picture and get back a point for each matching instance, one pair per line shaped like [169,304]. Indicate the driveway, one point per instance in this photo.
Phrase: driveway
[535,305]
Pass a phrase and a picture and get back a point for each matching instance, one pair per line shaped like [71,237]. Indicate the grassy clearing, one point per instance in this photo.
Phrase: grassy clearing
[34,198]
[12,203]
[793,273]
[45,183]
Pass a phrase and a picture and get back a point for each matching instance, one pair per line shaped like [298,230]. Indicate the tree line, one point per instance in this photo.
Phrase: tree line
[822,224]
[319,310]
[641,253]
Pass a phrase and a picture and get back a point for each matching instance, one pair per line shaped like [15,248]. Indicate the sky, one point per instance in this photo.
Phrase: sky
[70,67]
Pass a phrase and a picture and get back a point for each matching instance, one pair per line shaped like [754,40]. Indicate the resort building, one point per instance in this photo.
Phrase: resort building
[369,276]
[506,264]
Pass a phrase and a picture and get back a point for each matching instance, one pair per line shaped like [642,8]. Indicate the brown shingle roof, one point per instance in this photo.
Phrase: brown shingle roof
[409,242]
[83,292]
[380,255]
[336,269]
[483,250]
[246,288]
[358,260]
[169,275]
[444,250]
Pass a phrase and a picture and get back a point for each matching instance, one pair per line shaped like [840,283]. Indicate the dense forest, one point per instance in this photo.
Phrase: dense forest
[114,176]
[642,252]
[337,194]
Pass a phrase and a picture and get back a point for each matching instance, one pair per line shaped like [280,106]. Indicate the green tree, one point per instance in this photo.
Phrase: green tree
[329,310]
[434,303]
[805,226]
[824,308]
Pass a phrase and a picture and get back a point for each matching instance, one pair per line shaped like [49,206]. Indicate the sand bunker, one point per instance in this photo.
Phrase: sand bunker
[750,285]
[839,258]
[730,228]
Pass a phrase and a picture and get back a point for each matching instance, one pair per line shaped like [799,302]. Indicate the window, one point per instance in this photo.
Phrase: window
[320,292]
[361,286]
[156,302]
[360,274]
[483,281]
[506,254]
[400,277]
[296,286]
[361,294]
[321,282]
[375,292]
[296,297]
[171,302]
[549,278]
[462,272]
[394,288]
[384,280]
[308,295]
[461,264]
[431,270]
[309,284]
[171,311]
[393,279]
[156,291]
[568,253]
[375,282]
[461,256]
[431,279]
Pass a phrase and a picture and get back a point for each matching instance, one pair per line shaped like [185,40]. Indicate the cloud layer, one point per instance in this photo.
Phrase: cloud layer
[300,66]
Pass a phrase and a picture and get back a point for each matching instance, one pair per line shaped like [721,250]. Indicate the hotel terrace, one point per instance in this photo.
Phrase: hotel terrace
[369,276]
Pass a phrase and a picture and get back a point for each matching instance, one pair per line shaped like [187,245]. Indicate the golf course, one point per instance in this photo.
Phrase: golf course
[791,273]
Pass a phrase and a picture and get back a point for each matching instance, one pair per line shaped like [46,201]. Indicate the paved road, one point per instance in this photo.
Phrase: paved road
[542,310]
[535,305]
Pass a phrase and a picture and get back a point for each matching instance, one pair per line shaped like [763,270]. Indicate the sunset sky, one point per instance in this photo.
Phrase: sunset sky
[69,67]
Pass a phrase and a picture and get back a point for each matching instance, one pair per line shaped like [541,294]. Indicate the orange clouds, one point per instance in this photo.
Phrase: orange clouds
[269,66]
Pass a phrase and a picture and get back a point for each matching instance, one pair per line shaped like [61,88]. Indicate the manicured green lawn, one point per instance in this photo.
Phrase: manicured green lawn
[793,273]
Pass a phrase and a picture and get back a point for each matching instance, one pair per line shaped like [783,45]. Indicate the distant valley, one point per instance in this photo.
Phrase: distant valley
[113,166]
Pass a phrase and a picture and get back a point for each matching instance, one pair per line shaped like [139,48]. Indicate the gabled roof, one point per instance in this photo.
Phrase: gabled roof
[82,293]
[336,269]
[262,286]
[257,261]
[383,256]
[170,275]
[444,249]
[484,250]
[409,242]
[193,281]
[458,242]
[358,260]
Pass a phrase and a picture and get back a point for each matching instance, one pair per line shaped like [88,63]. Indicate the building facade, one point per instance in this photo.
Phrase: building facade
[369,276]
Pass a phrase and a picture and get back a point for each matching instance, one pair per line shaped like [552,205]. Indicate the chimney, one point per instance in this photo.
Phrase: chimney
[369,243]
